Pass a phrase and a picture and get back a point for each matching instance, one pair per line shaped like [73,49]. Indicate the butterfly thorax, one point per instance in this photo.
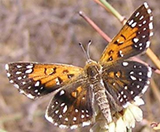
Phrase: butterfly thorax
[93,71]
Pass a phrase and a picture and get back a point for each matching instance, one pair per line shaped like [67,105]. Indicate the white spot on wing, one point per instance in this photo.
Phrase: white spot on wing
[131,21]
[86,123]
[57,81]
[56,124]
[120,53]
[60,116]
[19,78]
[82,116]
[29,66]
[135,40]
[16,86]
[50,119]
[28,71]
[151,34]
[11,81]
[146,5]
[74,127]
[62,104]
[150,25]
[61,92]
[66,119]
[144,22]
[7,67]
[138,86]
[19,66]
[63,126]
[56,112]
[37,83]
[151,18]
[134,24]
[30,96]
[122,92]
[8,74]
[141,17]
[65,109]
[125,63]
[137,14]
[76,110]
[143,36]
[148,44]
[144,89]
[18,72]
[140,73]
[125,87]
[74,118]
[24,76]
[149,11]
[52,106]
[149,74]
[23,83]
[131,92]
[36,90]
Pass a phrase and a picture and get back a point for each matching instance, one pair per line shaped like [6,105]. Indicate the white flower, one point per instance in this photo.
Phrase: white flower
[120,125]
[121,120]
[112,127]
[129,118]
[136,112]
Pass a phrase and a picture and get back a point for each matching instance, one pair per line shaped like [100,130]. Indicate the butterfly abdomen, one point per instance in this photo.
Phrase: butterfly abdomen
[102,101]
[93,71]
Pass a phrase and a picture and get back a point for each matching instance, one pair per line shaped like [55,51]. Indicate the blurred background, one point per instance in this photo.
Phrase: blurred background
[49,31]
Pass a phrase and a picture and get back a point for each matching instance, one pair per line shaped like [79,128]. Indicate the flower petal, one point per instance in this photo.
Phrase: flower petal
[111,127]
[129,118]
[138,101]
[136,112]
[120,125]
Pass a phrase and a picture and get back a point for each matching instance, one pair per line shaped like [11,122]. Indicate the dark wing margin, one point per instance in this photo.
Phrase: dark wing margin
[71,106]
[126,81]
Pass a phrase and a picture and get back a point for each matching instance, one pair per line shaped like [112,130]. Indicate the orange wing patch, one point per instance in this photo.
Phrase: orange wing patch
[35,80]
[53,74]
[132,39]
[121,45]
[76,92]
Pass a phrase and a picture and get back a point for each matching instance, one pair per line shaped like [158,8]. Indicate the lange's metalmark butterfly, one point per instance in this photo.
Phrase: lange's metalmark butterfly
[110,83]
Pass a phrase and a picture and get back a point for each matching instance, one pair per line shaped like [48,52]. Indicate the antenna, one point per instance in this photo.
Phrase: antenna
[83,49]
[89,43]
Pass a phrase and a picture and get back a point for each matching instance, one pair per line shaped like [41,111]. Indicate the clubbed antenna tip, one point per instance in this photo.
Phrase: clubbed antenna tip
[83,49]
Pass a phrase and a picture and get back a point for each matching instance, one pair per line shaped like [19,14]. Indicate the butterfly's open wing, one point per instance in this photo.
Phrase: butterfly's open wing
[71,106]
[132,39]
[35,80]
[126,80]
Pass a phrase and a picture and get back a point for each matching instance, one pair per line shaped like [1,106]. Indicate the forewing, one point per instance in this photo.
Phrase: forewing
[126,80]
[71,106]
[35,79]
[132,39]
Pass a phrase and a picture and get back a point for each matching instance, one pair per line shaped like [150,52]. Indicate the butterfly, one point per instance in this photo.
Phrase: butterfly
[110,84]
